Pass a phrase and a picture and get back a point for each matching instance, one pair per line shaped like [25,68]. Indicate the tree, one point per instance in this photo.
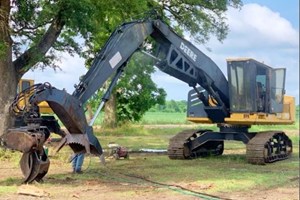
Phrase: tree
[32,32]
[136,92]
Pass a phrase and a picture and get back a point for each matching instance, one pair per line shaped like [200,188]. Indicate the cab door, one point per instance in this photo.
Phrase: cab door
[277,85]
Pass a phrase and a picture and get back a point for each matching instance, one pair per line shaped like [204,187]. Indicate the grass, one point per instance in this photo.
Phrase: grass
[135,137]
[156,118]
[8,189]
[229,172]
[275,127]
[159,118]
[164,118]
[213,175]
[226,173]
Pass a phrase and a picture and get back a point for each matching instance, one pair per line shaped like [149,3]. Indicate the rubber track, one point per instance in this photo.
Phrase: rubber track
[255,149]
[176,144]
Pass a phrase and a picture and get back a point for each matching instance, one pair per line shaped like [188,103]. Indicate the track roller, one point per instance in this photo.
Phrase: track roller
[179,147]
[268,147]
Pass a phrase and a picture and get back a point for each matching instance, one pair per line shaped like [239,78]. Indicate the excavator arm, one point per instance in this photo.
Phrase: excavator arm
[175,56]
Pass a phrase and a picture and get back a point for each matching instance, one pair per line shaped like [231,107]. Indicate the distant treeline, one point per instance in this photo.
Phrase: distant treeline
[171,106]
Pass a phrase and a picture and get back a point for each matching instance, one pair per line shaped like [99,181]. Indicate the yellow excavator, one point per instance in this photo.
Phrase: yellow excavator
[24,84]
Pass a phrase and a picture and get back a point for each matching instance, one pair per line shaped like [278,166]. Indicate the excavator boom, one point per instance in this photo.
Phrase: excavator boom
[178,58]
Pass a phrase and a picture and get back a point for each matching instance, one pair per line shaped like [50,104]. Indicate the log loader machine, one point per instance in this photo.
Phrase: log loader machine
[253,94]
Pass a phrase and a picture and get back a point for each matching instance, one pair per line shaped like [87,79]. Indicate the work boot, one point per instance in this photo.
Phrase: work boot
[78,172]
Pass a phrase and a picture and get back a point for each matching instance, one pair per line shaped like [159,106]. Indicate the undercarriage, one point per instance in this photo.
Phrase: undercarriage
[261,147]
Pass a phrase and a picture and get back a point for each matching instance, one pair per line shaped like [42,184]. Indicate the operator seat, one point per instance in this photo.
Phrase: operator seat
[260,97]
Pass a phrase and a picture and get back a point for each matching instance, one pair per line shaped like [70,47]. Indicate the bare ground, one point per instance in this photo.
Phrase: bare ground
[73,187]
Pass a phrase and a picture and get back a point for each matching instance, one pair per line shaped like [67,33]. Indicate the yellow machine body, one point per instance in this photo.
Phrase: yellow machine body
[259,118]
[24,84]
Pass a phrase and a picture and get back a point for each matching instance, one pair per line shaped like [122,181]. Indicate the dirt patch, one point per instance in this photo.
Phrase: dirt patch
[62,184]
[272,194]
[107,191]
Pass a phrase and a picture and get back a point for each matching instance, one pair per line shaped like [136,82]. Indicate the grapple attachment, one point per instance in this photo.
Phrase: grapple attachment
[34,166]
[34,162]
[30,141]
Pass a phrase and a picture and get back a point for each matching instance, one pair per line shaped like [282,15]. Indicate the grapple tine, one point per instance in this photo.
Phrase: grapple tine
[34,167]
[26,163]
[78,142]
[61,144]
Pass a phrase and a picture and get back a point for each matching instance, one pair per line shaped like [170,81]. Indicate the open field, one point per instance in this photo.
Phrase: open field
[155,176]
[156,118]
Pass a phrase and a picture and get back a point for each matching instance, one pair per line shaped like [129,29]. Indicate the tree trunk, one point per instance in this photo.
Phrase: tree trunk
[8,81]
[110,110]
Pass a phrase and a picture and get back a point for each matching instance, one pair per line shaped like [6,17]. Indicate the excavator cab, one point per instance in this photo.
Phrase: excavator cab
[255,87]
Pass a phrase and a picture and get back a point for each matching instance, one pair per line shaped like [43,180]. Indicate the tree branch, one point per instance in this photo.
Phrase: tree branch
[35,54]
[28,27]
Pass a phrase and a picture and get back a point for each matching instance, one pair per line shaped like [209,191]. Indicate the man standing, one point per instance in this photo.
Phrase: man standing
[77,162]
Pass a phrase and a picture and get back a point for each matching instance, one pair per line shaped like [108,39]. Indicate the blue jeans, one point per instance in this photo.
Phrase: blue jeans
[77,162]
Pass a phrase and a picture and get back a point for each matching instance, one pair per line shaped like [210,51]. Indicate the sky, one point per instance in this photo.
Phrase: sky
[265,30]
